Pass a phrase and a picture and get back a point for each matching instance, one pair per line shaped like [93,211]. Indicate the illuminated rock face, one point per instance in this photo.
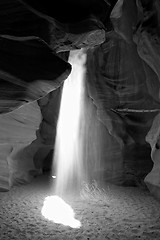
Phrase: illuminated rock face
[49,106]
[124,86]
[17,132]
[102,154]
[153,138]
[30,69]
[122,80]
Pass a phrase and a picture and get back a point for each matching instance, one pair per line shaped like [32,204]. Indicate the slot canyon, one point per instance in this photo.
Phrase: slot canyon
[80,119]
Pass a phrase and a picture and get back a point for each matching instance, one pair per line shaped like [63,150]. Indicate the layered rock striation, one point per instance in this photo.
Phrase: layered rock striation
[122,41]
[125,88]
[17,148]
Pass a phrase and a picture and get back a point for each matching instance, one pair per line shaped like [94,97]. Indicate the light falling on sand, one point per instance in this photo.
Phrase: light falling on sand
[68,152]
[77,145]
[68,159]
[57,210]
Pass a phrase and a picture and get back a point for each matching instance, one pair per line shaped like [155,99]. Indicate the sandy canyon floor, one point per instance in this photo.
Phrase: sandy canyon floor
[116,213]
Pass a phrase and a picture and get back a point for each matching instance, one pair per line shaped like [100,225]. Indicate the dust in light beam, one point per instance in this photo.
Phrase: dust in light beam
[68,159]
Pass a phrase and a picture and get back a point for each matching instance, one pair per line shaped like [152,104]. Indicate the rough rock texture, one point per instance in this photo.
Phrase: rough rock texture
[49,106]
[123,42]
[23,66]
[153,137]
[101,151]
[121,85]
[73,26]
[148,45]
[29,65]
[30,69]
[17,132]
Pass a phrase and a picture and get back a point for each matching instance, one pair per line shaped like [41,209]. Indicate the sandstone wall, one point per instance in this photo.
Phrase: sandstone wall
[17,133]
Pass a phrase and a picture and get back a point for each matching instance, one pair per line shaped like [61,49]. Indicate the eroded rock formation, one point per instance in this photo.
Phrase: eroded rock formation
[123,91]
[49,106]
[31,35]
[17,148]
[122,39]
[153,178]
[29,41]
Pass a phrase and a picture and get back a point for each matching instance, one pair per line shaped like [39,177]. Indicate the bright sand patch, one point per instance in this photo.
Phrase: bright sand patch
[115,213]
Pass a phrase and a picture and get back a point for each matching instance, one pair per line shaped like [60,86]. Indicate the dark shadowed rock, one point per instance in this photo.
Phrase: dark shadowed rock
[121,86]
[49,106]
[28,71]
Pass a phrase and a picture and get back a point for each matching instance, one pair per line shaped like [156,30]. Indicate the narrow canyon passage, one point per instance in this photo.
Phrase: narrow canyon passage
[86,167]
[114,213]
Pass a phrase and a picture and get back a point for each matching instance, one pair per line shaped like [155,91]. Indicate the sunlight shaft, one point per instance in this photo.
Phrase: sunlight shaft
[68,160]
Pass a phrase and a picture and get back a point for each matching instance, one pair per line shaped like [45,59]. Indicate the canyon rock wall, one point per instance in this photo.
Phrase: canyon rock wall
[147,38]
[30,69]
[49,106]
[125,87]
[17,135]
[152,180]
[122,39]
[29,41]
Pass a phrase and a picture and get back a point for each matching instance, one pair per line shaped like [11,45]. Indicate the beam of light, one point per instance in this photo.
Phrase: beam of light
[68,165]
[68,162]
[57,210]
[78,143]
